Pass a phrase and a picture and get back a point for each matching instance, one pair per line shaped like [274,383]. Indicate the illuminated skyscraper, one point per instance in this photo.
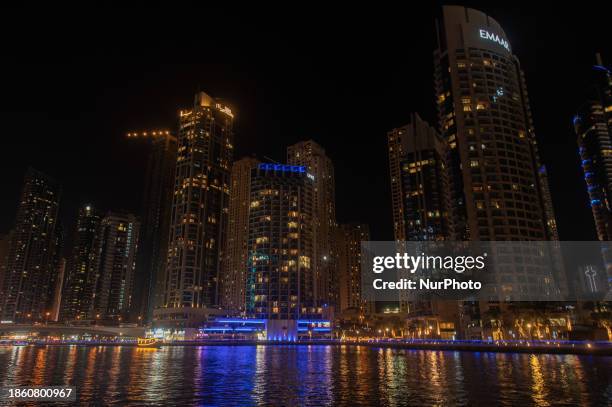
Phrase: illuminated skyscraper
[348,242]
[593,126]
[499,190]
[236,253]
[115,266]
[199,210]
[281,243]
[155,214]
[80,277]
[30,274]
[313,157]
[419,182]
[4,249]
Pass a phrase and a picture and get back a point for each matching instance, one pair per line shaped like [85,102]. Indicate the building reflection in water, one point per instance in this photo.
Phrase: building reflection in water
[308,375]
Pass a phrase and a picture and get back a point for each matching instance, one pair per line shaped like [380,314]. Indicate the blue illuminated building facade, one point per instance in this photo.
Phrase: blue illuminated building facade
[264,329]
[280,247]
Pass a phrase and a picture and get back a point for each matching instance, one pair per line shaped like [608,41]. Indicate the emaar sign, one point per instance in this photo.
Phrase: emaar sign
[495,38]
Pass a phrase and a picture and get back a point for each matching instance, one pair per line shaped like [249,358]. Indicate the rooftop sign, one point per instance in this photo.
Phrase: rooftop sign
[484,34]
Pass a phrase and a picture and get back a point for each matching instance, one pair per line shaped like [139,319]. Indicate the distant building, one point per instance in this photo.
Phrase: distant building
[4,250]
[420,189]
[156,212]
[80,273]
[30,274]
[115,266]
[325,280]
[348,242]
[235,263]
[593,126]
[281,246]
[199,213]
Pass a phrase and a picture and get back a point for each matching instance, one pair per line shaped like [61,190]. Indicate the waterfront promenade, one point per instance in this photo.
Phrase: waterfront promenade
[599,348]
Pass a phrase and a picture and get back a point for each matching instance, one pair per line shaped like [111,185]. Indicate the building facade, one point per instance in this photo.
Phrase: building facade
[155,214]
[593,127]
[281,244]
[4,249]
[236,251]
[313,157]
[420,190]
[115,266]
[29,279]
[80,277]
[348,243]
[199,208]
[498,192]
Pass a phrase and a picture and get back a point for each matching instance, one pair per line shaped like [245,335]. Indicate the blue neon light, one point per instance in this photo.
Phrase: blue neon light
[282,167]
[240,321]
[227,329]
[601,68]
[312,321]
[315,329]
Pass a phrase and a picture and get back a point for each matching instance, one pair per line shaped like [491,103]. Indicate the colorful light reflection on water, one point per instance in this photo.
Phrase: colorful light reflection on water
[309,375]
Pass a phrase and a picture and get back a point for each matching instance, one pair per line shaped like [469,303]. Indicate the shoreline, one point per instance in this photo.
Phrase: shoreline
[585,348]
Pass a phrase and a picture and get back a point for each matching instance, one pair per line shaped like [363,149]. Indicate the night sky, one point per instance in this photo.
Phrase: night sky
[74,84]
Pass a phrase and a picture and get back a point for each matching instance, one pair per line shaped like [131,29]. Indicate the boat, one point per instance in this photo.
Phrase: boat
[148,343]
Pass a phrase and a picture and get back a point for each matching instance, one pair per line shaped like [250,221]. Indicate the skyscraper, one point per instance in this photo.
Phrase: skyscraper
[236,251]
[4,249]
[420,191]
[348,243]
[115,266]
[593,126]
[29,280]
[199,210]
[78,292]
[313,157]
[281,243]
[155,215]
[498,192]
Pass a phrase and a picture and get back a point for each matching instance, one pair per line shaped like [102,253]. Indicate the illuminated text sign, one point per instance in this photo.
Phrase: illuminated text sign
[495,38]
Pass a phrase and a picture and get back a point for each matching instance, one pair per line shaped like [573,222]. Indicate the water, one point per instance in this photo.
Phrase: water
[309,375]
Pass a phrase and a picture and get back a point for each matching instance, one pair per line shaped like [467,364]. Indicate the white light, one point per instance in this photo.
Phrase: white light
[495,38]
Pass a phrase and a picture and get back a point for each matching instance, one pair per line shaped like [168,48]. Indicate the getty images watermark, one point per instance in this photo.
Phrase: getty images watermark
[492,271]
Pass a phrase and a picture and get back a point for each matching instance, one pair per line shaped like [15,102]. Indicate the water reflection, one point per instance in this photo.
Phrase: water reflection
[309,375]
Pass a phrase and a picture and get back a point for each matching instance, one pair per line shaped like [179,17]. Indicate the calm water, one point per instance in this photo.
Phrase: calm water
[310,375]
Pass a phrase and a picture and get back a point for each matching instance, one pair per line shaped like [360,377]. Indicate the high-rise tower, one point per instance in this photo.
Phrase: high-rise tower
[236,251]
[419,182]
[115,265]
[281,243]
[30,273]
[499,190]
[199,208]
[593,126]
[313,157]
[78,292]
[348,243]
[155,216]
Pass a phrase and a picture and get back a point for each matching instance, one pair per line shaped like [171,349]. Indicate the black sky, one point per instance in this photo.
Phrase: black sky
[74,84]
